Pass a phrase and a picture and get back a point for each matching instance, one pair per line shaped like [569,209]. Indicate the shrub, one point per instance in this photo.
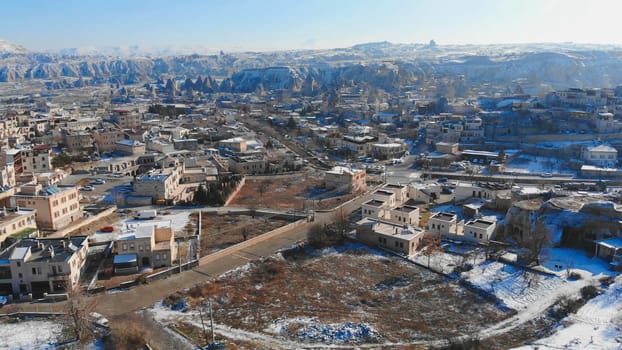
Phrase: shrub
[589,292]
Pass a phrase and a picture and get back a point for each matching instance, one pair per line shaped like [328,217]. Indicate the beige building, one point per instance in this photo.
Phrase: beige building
[37,159]
[161,185]
[78,141]
[403,239]
[346,179]
[237,144]
[126,119]
[106,139]
[17,222]
[41,266]
[130,147]
[446,147]
[251,164]
[56,206]
[444,224]
[479,230]
[601,155]
[148,246]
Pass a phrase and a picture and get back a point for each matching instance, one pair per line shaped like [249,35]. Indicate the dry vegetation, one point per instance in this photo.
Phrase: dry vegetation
[285,192]
[401,301]
[221,231]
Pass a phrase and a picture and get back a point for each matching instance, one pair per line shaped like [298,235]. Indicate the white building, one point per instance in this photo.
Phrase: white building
[601,155]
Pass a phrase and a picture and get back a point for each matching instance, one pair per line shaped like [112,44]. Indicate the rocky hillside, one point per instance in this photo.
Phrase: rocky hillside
[378,65]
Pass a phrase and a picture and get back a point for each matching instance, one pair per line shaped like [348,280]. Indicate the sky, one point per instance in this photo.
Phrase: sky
[304,24]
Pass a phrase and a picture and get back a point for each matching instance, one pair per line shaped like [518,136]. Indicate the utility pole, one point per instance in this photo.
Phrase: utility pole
[179,256]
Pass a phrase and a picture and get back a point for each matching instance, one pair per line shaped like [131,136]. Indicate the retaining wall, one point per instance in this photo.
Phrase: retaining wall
[255,240]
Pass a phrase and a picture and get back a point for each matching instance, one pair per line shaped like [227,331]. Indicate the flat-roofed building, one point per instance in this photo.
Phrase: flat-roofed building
[17,222]
[56,206]
[346,179]
[404,215]
[479,230]
[443,224]
[403,239]
[147,246]
[41,266]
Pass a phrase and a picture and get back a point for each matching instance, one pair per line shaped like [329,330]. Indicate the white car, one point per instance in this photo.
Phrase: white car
[87,188]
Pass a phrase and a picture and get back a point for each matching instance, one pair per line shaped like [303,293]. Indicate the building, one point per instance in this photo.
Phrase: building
[447,148]
[601,155]
[237,144]
[400,238]
[403,215]
[126,119]
[41,266]
[479,230]
[161,185]
[148,246]
[56,206]
[443,224]
[373,209]
[18,223]
[78,141]
[106,140]
[606,124]
[130,147]
[346,179]
[37,159]
[249,164]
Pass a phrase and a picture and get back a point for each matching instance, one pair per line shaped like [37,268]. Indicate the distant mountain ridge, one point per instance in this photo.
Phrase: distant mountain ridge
[378,65]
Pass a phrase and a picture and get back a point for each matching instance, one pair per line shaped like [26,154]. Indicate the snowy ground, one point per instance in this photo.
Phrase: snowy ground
[597,325]
[31,335]
[533,164]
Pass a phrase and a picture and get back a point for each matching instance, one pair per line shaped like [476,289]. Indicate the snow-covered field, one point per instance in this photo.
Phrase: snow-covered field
[30,335]
[597,325]
[524,164]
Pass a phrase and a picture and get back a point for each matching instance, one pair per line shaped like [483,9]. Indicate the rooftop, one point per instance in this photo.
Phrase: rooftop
[445,216]
[480,223]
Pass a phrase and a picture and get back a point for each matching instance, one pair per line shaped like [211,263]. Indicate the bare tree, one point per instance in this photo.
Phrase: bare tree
[535,242]
[79,308]
[431,245]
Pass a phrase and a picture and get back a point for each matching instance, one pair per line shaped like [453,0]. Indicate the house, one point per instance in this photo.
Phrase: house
[373,208]
[446,147]
[130,147]
[388,197]
[479,230]
[41,266]
[610,249]
[161,185]
[106,139]
[148,246]
[400,238]
[19,222]
[444,224]
[400,191]
[601,155]
[404,215]
[37,159]
[346,179]
[56,206]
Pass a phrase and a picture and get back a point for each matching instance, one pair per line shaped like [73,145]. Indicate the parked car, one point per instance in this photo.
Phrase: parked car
[87,188]
[442,180]
[107,229]
[546,175]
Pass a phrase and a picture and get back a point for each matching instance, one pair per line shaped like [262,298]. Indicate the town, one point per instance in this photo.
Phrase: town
[375,196]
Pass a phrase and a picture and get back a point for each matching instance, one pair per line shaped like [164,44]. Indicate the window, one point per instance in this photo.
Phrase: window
[19,264]
[379,239]
[131,246]
[164,256]
[157,257]
[20,275]
[34,270]
[140,248]
[124,246]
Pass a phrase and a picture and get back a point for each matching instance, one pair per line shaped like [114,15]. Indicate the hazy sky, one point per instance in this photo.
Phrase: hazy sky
[296,24]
